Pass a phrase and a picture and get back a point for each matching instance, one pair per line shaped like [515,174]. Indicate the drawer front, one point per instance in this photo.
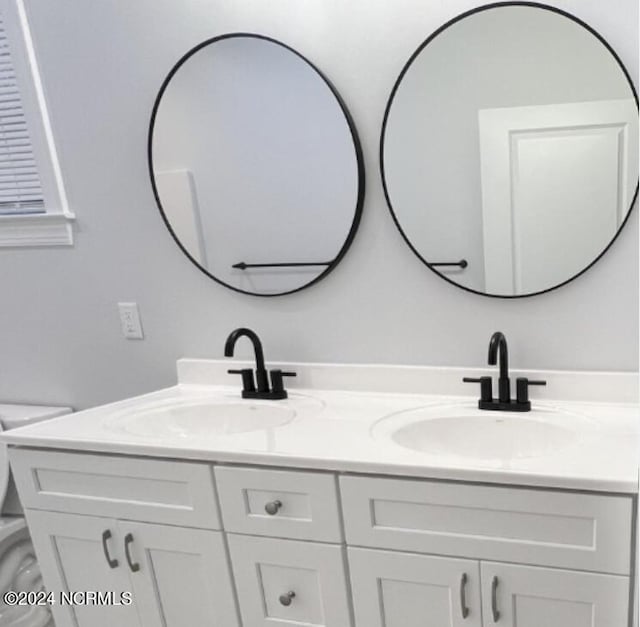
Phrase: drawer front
[174,493]
[288,582]
[582,531]
[288,504]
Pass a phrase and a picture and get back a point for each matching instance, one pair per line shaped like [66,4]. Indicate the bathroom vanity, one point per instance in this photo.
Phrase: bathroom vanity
[339,506]
[370,496]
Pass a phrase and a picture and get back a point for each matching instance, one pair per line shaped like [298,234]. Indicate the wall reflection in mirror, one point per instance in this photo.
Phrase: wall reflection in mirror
[511,143]
[256,165]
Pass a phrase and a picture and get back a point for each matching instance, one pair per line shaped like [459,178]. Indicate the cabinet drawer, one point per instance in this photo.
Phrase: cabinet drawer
[289,504]
[548,528]
[175,493]
[289,582]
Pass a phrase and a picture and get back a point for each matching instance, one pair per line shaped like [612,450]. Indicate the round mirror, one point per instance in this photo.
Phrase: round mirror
[255,165]
[509,149]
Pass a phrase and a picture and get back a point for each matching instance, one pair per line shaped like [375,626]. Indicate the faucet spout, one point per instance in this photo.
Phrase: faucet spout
[498,346]
[261,372]
[498,351]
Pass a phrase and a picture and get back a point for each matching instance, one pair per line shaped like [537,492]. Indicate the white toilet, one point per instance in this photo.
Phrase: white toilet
[18,567]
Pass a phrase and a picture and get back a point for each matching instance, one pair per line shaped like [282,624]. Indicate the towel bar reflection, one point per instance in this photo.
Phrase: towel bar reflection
[243,265]
[463,263]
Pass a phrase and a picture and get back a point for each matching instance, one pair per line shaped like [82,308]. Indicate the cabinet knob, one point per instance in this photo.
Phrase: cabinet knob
[273,507]
[285,599]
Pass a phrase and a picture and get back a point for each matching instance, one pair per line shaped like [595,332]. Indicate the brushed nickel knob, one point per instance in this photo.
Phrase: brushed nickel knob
[273,507]
[285,599]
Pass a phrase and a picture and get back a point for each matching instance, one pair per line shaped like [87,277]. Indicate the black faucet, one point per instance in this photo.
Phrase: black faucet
[498,344]
[498,349]
[260,387]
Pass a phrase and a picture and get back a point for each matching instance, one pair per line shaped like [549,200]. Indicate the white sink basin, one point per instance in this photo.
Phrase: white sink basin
[202,418]
[465,431]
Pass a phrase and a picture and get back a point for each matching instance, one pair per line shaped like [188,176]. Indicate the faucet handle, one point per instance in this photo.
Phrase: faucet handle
[486,387]
[522,388]
[277,383]
[248,384]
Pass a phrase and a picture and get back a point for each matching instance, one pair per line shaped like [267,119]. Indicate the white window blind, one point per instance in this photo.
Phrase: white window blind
[20,187]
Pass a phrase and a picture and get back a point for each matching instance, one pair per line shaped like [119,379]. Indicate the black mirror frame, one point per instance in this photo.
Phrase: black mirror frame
[405,69]
[354,136]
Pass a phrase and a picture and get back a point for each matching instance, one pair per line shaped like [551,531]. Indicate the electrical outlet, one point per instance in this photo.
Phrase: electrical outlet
[130,321]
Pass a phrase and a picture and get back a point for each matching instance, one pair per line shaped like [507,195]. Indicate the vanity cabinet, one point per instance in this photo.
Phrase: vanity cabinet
[194,543]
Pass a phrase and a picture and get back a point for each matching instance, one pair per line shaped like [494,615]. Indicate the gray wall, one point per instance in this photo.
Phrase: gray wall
[102,63]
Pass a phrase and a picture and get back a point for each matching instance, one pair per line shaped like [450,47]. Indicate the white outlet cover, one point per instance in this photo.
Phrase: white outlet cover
[130,321]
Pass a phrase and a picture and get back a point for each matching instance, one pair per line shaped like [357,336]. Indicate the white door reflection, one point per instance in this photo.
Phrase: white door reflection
[554,188]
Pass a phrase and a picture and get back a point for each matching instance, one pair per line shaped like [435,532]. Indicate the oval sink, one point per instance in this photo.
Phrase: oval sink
[465,431]
[202,418]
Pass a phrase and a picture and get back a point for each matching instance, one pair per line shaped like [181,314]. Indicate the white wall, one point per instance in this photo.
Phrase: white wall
[102,63]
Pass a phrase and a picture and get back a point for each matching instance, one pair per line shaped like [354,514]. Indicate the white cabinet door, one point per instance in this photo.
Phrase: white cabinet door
[73,553]
[180,576]
[287,583]
[175,576]
[526,596]
[407,590]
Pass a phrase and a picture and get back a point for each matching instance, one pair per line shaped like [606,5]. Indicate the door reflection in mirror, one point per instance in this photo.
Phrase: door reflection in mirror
[511,140]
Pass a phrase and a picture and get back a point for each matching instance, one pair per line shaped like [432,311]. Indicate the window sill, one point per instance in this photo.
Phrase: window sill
[53,229]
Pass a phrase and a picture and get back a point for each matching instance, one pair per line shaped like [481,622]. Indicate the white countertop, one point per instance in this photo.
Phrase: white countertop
[333,431]
[13,415]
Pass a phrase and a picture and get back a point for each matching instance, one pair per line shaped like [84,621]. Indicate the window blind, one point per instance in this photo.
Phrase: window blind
[20,187]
